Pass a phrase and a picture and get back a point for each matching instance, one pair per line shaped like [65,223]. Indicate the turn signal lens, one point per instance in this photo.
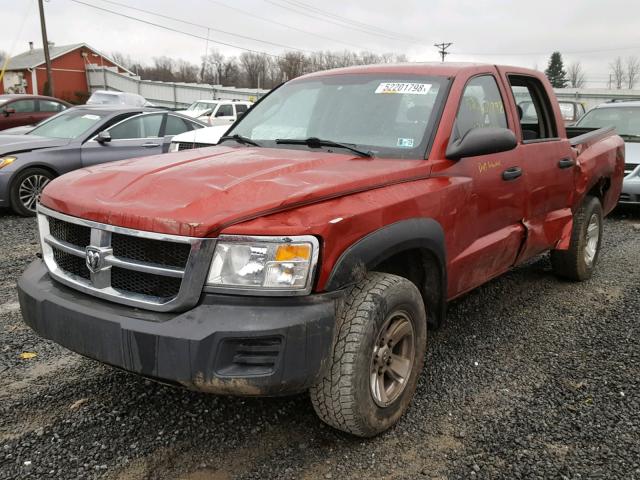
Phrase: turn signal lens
[293,252]
[4,161]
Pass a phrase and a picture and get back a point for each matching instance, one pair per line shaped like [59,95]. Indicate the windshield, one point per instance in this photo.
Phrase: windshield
[626,120]
[201,106]
[69,124]
[389,115]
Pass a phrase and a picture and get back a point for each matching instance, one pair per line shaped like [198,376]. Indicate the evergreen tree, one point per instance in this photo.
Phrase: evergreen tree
[555,71]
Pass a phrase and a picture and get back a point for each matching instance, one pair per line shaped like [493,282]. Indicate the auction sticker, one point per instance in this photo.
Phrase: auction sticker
[404,87]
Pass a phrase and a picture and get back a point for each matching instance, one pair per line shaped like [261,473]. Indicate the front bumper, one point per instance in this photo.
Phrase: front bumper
[631,188]
[226,344]
[5,182]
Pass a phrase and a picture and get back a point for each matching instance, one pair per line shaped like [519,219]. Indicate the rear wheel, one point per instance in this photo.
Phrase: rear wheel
[26,190]
[377,357]
[579,261]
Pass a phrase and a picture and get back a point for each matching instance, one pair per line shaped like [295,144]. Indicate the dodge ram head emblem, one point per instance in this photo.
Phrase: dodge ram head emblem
[95,259]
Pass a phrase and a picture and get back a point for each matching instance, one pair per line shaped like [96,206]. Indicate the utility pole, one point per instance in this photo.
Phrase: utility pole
[442,48]
[45,45]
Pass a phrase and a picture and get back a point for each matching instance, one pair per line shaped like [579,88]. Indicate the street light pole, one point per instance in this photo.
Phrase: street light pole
[45,45]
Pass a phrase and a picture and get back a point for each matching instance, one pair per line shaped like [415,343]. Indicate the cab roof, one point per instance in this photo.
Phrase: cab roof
[447,69]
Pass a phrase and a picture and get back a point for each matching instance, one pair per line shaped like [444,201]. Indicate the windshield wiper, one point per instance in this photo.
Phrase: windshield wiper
[629,135]
[314,142]
[239,139]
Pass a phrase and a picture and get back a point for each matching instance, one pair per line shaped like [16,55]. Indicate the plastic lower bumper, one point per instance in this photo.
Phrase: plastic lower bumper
[226,344]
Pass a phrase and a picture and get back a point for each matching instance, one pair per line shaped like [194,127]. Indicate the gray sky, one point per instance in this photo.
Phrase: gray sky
[496,31]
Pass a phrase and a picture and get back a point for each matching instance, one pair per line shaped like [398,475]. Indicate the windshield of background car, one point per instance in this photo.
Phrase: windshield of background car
[201,106]
[69,124]
[390,115]
[626,120]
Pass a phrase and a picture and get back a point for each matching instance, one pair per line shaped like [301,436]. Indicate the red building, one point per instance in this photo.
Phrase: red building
[27,73]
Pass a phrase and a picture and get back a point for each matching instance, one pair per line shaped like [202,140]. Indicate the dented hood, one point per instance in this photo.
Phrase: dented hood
[200,192]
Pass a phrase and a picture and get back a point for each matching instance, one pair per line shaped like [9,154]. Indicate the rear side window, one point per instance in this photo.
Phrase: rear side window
[50,106]
[240,108]
[141,126]
[537,120]
[481,106]
[176,126]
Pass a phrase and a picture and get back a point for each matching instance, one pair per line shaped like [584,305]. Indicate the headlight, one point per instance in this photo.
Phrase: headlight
[173,147]
[267,265]
[4,161]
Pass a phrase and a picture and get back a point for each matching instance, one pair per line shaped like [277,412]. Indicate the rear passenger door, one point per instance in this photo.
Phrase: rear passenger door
[547,163]
[48,108]
[137,136]
[176,125]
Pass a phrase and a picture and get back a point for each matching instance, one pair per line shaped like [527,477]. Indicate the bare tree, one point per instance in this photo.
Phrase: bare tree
[292,65]
[185,72]
[254,66]
[576,75]
[633,71]
[617,72]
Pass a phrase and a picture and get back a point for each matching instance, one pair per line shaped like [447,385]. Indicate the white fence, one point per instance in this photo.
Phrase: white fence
[166,94]
[169,94]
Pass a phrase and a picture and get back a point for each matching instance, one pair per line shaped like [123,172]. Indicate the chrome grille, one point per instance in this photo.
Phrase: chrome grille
[190,145]
[143,269]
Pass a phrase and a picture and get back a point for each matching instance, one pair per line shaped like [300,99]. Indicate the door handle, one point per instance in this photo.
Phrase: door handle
[566,163]
[511,173]
[150,145]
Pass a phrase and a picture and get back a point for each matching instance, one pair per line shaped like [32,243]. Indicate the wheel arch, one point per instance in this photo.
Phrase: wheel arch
[413,249]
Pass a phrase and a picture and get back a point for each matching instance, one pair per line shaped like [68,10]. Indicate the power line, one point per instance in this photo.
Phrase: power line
[186,22]
[442,48]
[291,27]
[352,21]
[338,23]
[193,35]
[565,52]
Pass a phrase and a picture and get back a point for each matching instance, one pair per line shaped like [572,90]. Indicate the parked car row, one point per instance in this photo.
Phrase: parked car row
[81,137]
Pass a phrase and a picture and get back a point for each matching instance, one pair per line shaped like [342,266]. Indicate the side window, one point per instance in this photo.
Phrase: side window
[537,120]
[225,111]
[140,126]
[176,125]
[50,106]
[23,106]
[240,108]
[481,106]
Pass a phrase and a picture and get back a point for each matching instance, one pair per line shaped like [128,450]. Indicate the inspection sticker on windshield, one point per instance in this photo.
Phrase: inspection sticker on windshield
[402,87]
[405,142]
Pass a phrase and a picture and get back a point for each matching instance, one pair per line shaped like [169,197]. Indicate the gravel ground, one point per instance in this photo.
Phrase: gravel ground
[531,377]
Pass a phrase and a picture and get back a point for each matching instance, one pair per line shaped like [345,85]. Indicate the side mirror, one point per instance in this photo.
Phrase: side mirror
[103,137]
[482,141]
[8,111]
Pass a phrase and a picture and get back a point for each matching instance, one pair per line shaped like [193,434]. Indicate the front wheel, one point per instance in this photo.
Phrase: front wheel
[377,357]
[26,190]
[579,261]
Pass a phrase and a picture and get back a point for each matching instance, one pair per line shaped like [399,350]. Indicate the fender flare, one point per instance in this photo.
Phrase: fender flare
[379,245]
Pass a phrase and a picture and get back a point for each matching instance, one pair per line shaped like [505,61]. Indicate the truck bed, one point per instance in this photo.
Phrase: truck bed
[579,135]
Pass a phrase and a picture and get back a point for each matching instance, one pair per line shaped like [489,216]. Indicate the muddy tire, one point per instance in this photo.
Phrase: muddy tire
[579,261]
[26,189]
[377,356]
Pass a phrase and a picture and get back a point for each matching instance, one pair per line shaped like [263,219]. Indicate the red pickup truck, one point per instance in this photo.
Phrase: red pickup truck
[311,248]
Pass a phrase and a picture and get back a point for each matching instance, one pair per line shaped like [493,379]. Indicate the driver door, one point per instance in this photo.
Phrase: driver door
[223,116]
[137,136]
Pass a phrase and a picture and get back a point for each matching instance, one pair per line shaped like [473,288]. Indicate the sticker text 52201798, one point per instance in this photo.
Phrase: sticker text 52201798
[404,87]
